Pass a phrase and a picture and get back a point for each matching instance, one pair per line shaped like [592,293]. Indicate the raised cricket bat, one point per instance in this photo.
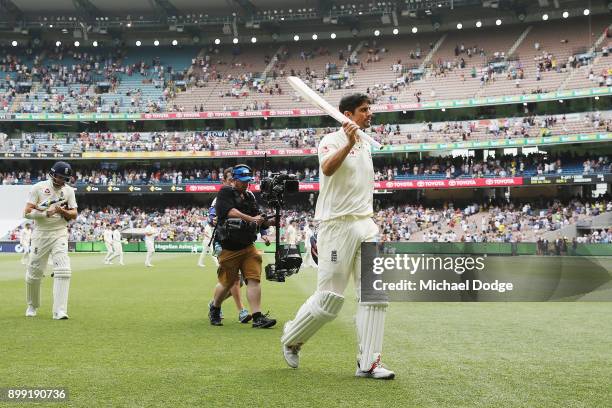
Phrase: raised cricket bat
[311,96]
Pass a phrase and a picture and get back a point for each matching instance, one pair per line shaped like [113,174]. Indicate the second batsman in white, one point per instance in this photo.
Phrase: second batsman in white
[108,243]
[25,239]
[150,234]
[307,233]
[344,210]
[291,233]
[51,205]
[117,246]
[206,244]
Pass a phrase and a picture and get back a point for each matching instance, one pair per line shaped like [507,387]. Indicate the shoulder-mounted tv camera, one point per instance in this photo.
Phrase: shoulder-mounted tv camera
[273,188]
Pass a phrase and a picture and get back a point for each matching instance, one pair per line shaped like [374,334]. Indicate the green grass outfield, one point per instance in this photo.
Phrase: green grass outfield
[140,338]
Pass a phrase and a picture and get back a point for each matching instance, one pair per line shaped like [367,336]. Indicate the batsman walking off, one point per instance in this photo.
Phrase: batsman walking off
[344,210]
[51,205]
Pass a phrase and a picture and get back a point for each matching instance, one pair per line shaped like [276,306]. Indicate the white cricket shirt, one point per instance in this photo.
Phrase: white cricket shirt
[150,234]
[350,190]
[44,195]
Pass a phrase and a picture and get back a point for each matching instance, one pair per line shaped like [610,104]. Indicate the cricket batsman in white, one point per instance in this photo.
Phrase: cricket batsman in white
[207,247]
[51,205]
[150,234]
[308,261]
[344,209]
[25,239]
[291,234]
[117,246]
[107,235]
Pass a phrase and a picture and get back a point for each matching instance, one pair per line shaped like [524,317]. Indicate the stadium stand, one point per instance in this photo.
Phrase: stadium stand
[520,59]
[386,169]
[388,134]
[510,222]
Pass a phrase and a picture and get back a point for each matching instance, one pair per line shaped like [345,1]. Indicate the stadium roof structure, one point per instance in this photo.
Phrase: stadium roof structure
[119,7]
[263,14]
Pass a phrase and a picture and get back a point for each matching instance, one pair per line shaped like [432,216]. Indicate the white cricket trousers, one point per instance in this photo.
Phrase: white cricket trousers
[206,249]
[47,244]
[150,251]
[117,252]
[109,251]
[339,245]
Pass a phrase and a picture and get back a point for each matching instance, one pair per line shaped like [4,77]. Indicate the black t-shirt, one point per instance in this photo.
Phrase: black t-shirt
[228,198]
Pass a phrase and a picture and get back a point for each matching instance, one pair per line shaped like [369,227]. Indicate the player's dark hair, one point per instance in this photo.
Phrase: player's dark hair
[352,102]
[227,173]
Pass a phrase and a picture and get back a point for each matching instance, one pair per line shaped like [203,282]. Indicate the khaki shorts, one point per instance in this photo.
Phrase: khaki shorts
[247,260]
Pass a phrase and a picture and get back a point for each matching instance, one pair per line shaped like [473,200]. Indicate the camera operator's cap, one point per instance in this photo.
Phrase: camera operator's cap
[243,173]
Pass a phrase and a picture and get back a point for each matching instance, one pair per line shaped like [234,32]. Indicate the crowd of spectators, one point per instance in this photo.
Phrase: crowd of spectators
[536,164]
[147,175]
[80,70]
[598,236]
[497,223]
[175,223]
[401,223]
[387,134]
[71,80]
[477,222]
[439,167]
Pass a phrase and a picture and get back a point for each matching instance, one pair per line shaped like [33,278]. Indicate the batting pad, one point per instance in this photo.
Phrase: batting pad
[60,294]
[370,330]
[34,273]
[109,251]
[320,308]
[61,282]
[117,253]
[33,292]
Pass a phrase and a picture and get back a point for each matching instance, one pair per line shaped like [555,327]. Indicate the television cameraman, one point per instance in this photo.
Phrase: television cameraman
[239,221]
[243,313]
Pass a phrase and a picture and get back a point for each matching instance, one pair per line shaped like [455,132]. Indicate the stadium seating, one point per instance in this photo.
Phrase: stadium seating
[450,65]
[486,129]
[441,77]
[510,222]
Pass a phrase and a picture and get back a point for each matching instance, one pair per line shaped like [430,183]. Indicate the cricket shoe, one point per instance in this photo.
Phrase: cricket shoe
[263,322]
[31,311]
[214,315]
[60,316]
[291,353]
[201,265]
[210,306]
[244,316]
[378,372]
